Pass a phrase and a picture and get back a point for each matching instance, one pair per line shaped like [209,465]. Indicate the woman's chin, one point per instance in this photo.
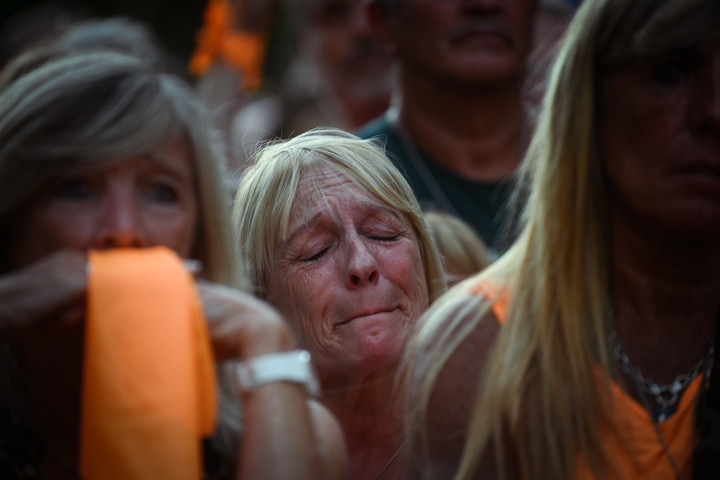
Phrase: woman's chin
[374,354]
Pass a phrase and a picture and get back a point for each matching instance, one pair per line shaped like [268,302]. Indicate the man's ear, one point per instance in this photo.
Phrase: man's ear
[379,18]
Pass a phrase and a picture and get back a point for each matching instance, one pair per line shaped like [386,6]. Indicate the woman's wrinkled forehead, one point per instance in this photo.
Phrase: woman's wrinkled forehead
[315,182]
[321,188]
[315,188]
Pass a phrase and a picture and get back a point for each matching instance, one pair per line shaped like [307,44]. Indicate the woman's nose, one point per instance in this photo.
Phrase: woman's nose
[362,265]
[119,225]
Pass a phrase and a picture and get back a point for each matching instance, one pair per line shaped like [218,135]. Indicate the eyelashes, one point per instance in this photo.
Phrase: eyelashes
[316,256]
[321,253]
[387,239]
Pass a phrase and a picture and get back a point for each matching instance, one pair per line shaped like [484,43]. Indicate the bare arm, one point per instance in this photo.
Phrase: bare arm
[437,456]
[286,434]
[290,437]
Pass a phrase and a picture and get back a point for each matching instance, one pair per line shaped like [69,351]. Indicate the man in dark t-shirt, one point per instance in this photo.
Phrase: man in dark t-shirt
[459,127]
[484,205]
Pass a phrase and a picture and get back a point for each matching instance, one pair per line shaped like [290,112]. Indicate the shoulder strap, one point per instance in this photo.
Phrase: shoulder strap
[496,293]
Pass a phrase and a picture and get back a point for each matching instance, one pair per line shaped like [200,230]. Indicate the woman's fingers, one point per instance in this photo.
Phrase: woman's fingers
[51,289]
[240,325]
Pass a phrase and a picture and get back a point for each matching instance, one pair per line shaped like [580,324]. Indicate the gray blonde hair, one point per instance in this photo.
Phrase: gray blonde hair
[267,191]
[462,250]
[538,395]
[61,109]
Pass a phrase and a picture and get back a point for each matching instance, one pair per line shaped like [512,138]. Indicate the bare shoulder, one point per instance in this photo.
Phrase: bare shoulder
[436,447]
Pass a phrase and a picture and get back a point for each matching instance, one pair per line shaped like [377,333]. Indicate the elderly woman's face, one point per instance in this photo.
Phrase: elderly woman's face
[142,201]
[349,277]
[660,139]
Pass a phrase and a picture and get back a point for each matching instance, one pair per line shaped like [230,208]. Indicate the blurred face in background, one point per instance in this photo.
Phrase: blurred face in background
[466,41]
[142,201]
[660,141]
[349,59]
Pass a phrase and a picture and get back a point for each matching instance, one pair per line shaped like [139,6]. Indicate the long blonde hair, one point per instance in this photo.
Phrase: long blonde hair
[538,395]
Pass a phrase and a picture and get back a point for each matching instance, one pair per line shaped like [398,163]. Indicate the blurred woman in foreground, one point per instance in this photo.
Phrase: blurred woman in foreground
[583,352]
[97,152]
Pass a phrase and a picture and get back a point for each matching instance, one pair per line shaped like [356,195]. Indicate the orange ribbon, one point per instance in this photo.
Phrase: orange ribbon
[218,40]
[149,385]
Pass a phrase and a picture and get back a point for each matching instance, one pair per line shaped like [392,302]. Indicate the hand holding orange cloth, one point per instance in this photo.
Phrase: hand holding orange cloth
[148,383]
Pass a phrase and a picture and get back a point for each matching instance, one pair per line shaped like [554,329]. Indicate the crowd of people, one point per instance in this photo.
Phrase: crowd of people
[467,239]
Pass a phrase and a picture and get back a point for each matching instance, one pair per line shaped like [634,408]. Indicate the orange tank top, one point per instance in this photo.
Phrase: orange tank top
[632,444]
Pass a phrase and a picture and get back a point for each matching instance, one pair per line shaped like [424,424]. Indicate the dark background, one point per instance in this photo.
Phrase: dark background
[175,22]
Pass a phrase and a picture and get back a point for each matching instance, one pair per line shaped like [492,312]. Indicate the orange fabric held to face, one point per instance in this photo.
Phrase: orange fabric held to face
[148,382]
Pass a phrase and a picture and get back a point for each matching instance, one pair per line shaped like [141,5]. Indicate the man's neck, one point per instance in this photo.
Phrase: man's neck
[478,131]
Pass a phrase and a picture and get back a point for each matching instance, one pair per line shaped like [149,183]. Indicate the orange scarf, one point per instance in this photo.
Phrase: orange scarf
[148,382]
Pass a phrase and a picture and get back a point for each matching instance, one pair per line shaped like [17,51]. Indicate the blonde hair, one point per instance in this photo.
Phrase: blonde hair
[462,250]
[59,110]
[267,191]
[538,395]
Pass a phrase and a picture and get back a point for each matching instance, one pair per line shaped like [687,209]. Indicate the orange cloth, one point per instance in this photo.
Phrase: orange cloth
[632,444]
[218,40]
[633,447]
[148,381]
[495,293]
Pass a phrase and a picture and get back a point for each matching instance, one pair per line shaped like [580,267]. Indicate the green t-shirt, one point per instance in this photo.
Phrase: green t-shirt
[483,205]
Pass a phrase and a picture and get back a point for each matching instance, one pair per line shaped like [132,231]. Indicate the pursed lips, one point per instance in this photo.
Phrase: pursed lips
[366,313]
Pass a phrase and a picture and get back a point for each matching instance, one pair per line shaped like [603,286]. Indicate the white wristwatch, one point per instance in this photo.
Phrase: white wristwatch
[278,367]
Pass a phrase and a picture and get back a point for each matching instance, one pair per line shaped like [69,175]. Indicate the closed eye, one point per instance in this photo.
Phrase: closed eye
[388,238]
[317,256]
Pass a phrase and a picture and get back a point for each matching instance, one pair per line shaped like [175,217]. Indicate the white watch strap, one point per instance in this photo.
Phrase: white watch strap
[278,367]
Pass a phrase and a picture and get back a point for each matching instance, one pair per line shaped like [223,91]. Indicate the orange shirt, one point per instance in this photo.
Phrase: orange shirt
[632,444]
